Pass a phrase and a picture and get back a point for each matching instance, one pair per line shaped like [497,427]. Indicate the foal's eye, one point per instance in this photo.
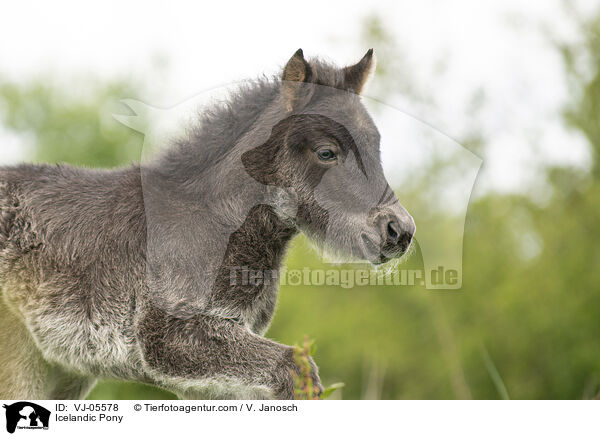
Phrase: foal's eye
[326,154]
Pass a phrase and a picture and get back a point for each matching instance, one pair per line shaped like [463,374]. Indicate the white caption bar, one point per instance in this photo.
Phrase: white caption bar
[300,417]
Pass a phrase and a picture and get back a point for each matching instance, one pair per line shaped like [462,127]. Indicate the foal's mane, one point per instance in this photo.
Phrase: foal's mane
[217,128]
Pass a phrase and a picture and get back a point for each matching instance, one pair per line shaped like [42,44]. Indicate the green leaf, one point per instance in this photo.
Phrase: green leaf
[331,389]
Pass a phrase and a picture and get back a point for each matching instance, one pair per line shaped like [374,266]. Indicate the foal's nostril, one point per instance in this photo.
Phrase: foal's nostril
[393,232]
[397,235]
[405,240]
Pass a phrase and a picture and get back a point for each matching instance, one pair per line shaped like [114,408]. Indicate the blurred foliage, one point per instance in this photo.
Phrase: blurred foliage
[524,325]
[70,121]
[581,59]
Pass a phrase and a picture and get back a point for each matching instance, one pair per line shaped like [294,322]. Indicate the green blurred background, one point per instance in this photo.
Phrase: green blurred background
[526,323]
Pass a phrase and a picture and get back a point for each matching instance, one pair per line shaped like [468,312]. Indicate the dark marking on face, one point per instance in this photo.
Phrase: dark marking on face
[387,198]
[293,138]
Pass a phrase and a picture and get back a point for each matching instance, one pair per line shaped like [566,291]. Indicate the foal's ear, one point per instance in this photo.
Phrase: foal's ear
[357,75]
[296,69]
[295,72]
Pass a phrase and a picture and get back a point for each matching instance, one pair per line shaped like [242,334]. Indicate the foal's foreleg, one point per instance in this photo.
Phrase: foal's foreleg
[215,358]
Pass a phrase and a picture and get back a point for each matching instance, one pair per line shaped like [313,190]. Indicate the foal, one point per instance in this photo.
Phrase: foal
[131,272]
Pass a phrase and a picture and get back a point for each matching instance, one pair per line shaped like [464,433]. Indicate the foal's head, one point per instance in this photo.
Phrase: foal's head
[325,150]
